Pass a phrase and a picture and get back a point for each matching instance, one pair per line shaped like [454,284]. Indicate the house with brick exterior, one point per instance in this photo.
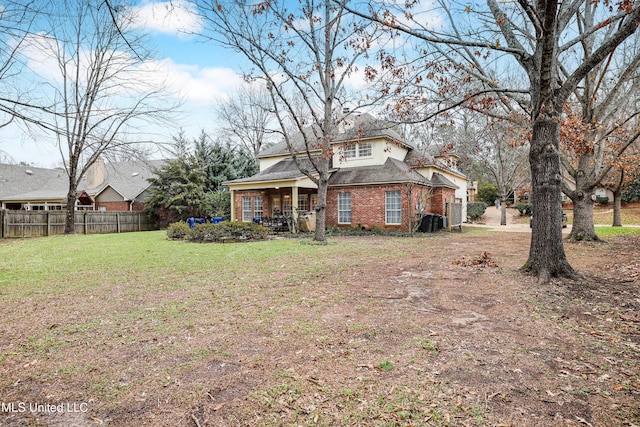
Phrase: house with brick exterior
[113,186]
[377,180]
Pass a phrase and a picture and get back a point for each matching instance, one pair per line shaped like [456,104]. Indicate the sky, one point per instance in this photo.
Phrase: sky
[199,73]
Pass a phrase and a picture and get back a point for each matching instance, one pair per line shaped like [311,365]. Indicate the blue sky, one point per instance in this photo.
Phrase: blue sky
[201,73]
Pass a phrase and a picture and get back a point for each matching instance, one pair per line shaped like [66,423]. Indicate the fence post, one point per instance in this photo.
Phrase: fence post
[452,199]
[48,231]
[84,217]
[117,222]
[1,223]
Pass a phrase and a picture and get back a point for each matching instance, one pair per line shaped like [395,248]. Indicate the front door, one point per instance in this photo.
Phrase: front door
[276,205]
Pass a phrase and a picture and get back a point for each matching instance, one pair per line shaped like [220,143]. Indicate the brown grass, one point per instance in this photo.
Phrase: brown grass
[367,331]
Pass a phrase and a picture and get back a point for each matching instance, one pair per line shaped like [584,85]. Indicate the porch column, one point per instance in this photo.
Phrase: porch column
[294,207]
[233,204]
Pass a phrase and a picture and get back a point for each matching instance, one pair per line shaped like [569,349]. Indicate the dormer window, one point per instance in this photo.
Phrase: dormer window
[357,150]
[364,149]
[350,151]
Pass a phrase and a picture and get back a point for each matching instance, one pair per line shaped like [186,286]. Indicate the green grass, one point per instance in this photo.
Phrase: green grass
[84,263]
[606,232]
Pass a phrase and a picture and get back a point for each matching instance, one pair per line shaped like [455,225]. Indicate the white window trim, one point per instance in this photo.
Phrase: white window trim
[386,208]
[257,207]
[245,211]
[340,195]
[356,151]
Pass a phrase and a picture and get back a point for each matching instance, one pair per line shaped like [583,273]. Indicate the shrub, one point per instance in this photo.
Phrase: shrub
[488,193]
[524,208]
[476,210]
[235,231]
[178,230]
[603,200]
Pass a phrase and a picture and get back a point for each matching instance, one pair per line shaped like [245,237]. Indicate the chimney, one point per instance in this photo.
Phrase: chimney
[95,174]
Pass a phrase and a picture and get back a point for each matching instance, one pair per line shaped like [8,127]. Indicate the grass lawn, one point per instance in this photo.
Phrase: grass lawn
[135,329]
[604,215]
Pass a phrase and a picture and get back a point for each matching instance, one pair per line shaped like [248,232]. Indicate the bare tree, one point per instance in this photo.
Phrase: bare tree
[246,116]
[603,121]
[498,150]
[96,93]
[304,53]
[480,43]
[16,19]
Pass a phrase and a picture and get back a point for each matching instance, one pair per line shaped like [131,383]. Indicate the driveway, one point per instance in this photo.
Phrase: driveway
[491,219]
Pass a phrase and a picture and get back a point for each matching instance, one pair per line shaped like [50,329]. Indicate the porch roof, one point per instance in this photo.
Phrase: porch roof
[284,170]
[392,171]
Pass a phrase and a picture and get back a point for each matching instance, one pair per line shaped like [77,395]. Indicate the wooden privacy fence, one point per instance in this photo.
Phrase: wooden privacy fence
[50,223]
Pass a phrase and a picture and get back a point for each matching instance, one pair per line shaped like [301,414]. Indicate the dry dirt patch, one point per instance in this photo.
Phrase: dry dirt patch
[436,330]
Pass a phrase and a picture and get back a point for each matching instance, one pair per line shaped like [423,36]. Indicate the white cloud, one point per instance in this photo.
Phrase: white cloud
[174,17]
[198,84]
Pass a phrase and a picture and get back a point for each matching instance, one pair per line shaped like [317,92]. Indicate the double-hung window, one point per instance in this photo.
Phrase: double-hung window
[344,208]
[303,202]
[393,207]
[257,206]
[246,209]
[350,151]
[364,149]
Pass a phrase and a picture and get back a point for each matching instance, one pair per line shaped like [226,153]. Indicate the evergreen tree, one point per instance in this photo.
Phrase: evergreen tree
[177,191]
[223,162]
[191,184]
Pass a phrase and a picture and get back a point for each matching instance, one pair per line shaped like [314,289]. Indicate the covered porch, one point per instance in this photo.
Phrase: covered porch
[276,205]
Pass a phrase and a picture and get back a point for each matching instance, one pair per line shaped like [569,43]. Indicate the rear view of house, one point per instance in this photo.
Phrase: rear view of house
[377,180]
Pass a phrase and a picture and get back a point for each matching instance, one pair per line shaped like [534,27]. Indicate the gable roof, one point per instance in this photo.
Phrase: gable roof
[392,171]
[418,160]
[440,180]
[128,179]
[352,128]
[285,169]
[25,183]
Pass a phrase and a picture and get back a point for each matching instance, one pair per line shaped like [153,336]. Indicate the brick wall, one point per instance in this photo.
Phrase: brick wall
[368,206]
[439,199]
[114,206]
[238,202]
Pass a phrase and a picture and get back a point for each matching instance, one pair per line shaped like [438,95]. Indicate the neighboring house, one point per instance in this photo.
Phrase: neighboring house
[377,180]
[118,186]
[523,192]
[598,192]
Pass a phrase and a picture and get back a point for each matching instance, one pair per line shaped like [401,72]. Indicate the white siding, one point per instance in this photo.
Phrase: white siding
[382,149]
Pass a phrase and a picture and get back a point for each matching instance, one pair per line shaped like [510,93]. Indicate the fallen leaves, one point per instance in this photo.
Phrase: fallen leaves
[485,259]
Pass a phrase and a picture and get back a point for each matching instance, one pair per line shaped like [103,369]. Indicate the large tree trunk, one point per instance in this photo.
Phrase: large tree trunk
[503,212]
[320,234]
[546,255]
[617,207]
[582,228]
[617,201]
[582,199]
[70,220]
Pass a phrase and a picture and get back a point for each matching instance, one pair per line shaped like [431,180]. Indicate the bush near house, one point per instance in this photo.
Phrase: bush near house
[488,193]
[524,208]
[178,230]
[222,232]
[476,210]
[603,200]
